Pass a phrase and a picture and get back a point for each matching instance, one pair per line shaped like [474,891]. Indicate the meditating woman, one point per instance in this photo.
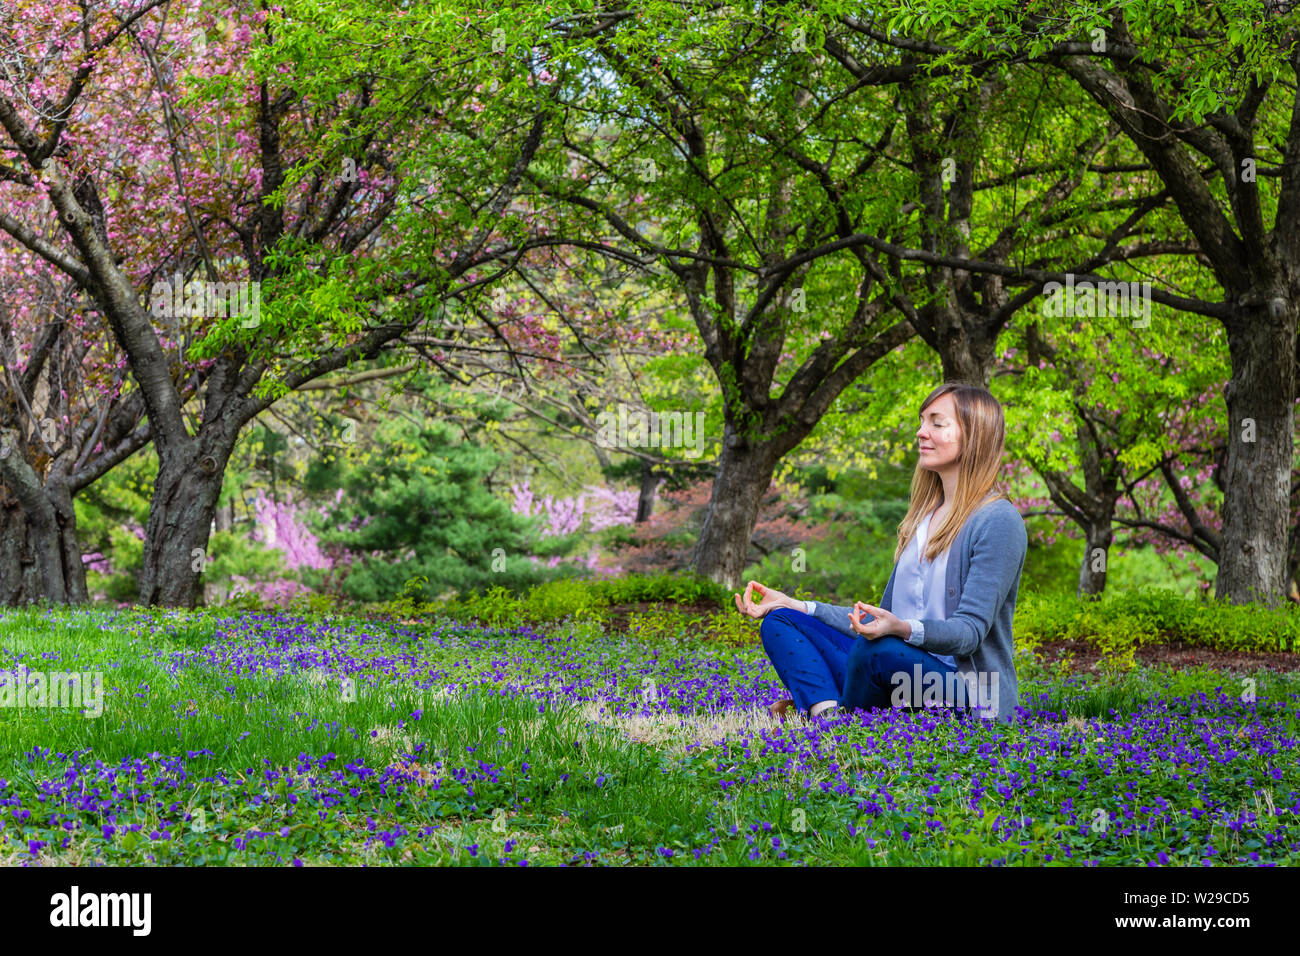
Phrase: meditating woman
[943,631]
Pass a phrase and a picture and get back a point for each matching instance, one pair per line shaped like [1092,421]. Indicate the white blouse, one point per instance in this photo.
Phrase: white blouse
[918,588]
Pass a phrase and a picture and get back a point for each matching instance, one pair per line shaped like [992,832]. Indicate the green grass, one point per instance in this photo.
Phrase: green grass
[562,787]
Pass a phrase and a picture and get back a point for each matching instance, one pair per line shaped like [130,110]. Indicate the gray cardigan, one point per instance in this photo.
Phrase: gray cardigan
[984,566]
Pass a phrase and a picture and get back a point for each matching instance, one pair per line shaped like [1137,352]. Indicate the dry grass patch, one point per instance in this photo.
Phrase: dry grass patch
[674,732]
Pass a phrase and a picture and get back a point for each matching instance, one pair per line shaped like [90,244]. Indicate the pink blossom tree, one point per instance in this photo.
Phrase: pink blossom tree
[170,139]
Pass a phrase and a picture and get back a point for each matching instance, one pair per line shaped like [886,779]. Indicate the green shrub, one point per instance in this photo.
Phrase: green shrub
[316,605]
[565,598]
[232,555]
[731,628]
[1118,624]
[105,511]
[581,599]
[500,607]
[669,624]
[671,588]
[242,600]
[127,553]
[657,624]
[418,506]
[618,537]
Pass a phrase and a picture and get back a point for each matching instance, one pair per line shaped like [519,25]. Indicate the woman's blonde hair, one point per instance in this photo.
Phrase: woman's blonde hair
[983,434]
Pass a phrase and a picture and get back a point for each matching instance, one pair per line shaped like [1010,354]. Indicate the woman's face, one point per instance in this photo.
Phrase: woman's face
[939,436]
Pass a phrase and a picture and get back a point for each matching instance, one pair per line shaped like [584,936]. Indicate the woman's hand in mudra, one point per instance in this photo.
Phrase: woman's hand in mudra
[885,623]
[767,600]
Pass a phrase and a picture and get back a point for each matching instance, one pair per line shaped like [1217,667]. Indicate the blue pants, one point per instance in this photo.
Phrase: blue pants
[817,662]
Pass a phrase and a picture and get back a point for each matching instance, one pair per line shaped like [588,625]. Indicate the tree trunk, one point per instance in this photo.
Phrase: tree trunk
[1293,563]
[1261,441]
[645,504]
[1096,554]
[39,553]
[744,475]
[65,517]
[176,536]
[38,559]
[966,353]
[22,578]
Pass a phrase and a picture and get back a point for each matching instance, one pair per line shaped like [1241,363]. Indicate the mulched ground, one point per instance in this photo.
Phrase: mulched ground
[1175,655]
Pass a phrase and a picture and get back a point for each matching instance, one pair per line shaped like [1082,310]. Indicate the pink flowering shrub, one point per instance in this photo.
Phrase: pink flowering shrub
[597,508]
[280,525]
[562,515]
[607,507]
[602,508]
[278,593]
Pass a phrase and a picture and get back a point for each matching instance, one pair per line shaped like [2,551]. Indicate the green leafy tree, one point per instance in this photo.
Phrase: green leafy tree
[1207,93]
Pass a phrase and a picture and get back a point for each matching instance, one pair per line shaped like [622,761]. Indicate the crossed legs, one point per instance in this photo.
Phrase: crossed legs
[821,666]
[810,657]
